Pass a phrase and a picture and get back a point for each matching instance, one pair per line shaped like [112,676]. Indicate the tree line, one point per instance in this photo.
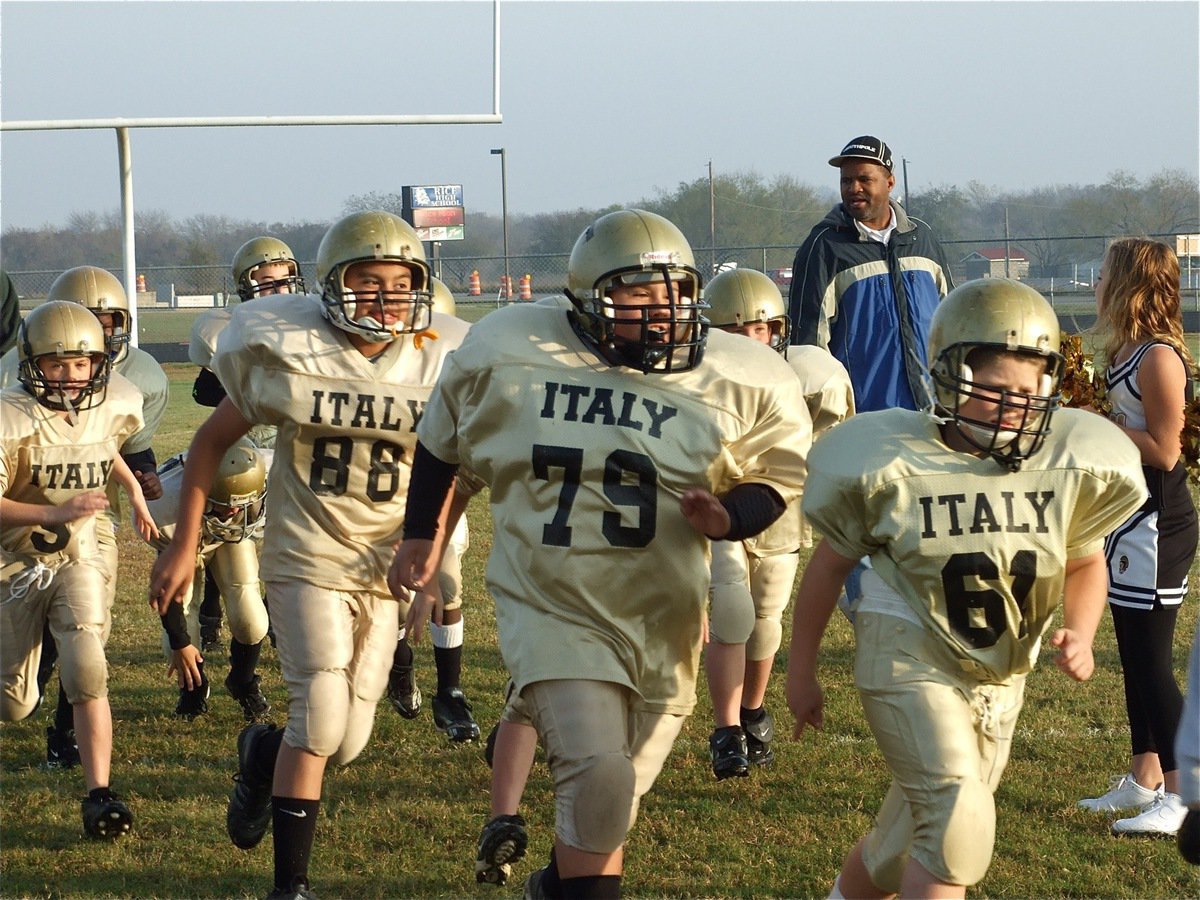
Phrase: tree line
[1050,222]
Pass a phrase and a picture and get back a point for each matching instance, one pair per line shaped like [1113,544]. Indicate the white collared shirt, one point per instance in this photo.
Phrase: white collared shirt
[883,235]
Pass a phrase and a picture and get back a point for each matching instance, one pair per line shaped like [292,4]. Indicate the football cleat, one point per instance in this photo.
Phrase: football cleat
[193,703]
[62,752]
[254,705]
[298,890]
[533,885]
[452,714]
[501,843]
[758,739]
[249,811]
[403,692]
[730,757]
[107,818]
[210,633]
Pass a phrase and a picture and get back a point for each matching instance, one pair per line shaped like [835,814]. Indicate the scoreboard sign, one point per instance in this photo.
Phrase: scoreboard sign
[435,211]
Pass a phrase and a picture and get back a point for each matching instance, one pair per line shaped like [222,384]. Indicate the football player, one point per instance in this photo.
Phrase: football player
[60,431]
[261,267]
[102,293]
[752,580]
[616,437]
[451,710]
[977,519]
[232,526]
[345,377]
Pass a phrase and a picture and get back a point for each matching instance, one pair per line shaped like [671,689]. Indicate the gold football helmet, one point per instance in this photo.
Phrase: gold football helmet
[60,329]
[101,292]
[740,297]
[443,300]
[632,246]
[365,236]
[996,315]
[260,251]
[235,509]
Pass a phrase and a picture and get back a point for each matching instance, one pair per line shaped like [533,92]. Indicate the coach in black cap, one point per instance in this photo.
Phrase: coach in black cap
[875,317]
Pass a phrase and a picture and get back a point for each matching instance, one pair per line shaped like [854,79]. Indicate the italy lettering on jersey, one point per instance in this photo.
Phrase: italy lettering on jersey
[202,343]
[595,572]
[977,553]
[46,460]
[347,431]
[829,396]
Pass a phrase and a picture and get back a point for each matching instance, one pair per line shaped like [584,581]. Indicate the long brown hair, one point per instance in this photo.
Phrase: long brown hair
[1141,297]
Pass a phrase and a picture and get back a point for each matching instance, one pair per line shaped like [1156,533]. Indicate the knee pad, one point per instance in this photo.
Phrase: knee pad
[246,612]
[19,704]
[603,802]
[318,717]
[958,847]
[731,618]
[82,666]
[764,639]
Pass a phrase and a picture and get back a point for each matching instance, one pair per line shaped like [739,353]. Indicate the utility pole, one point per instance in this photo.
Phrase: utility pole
[499,151]
[712,223]
[904,164]
[1007,252]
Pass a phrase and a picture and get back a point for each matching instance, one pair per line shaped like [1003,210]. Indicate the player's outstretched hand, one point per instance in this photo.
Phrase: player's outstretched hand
[1074,654]
[806,700]
[171,577]
[704,512]
[142,520]
[185,666]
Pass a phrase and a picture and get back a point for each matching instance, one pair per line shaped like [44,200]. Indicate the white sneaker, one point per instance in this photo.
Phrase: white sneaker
[1124,793]
[1163,816]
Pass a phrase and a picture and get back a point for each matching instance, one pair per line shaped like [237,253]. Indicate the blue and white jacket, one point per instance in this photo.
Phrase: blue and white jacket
[870,305]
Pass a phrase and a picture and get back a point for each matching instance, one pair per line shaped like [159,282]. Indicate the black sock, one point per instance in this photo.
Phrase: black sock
[551,884]
[403,655]
[449,667]
[295,823]
[64,713]
[753,716]
[243,660]
[590,887]
[210,607]
[266,751]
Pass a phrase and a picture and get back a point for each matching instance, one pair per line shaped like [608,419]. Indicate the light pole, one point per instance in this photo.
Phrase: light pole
[904,162]
[499,151]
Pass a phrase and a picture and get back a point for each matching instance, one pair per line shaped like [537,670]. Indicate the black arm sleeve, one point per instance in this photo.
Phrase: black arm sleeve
[751,507]
[175,625]
[207,390]
[430,482]
[143,461]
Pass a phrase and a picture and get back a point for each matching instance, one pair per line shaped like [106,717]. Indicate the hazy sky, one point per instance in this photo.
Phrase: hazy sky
[603,102]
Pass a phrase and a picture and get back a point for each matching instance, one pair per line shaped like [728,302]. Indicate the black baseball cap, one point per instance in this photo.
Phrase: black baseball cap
[865,147]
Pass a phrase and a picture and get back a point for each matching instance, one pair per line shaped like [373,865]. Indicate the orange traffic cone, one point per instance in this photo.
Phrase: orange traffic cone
[141,284]
[506,286]
[475,287]
[526,286]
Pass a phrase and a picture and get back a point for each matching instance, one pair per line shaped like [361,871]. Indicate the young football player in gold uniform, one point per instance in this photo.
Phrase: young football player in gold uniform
[752,580]
[345,377]
[60,432]
[978,519]
[617,437]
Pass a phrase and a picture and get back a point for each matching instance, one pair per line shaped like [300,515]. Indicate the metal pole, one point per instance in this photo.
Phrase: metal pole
[904,163]
[128,246]
[499,151]
[1007,252]
[712,223]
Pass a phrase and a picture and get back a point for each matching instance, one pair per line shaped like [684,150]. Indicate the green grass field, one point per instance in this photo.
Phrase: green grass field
[402,820]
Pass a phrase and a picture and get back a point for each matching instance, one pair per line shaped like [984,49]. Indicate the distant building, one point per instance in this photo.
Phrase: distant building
[989,262]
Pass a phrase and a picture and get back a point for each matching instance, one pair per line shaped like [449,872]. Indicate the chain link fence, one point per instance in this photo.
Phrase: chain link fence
[1064,269]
